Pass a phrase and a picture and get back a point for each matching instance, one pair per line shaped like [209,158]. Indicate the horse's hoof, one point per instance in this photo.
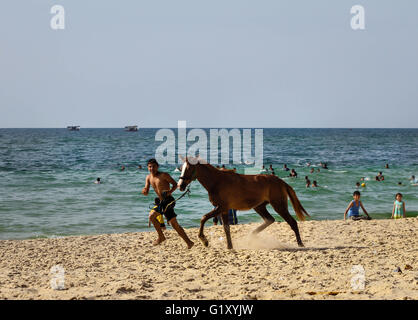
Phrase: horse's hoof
[301,245]
[204,241]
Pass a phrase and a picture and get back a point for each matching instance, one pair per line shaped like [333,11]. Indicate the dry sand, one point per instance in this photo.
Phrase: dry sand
[271,266]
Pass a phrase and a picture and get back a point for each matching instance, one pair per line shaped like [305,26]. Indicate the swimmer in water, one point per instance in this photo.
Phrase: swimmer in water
[293,174]
[314,184]
[357,185]
[308,182]
[387,166]
[122,168]
[98,181]
[312,170]
[285,168]
[271,168]
[139,167]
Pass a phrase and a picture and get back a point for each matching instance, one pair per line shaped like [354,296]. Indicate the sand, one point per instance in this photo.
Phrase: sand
[271,266]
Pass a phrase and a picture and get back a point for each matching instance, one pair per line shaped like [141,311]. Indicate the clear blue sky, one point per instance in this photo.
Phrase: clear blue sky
[217,63]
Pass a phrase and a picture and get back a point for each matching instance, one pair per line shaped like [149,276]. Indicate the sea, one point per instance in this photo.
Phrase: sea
[47,176]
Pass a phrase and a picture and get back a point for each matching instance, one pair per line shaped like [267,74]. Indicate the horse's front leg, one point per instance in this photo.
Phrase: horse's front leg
[205,218]
[225,222]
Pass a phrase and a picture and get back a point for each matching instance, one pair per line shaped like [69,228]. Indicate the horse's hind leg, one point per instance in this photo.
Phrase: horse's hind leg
[205,218]
[225,222]
[268,219]
[281,209]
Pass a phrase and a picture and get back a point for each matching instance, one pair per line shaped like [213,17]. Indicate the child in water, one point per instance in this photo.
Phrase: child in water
[398,210]
[160,218]
[353,208]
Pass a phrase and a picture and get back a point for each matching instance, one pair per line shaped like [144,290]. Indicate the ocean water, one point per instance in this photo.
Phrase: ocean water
[47,175]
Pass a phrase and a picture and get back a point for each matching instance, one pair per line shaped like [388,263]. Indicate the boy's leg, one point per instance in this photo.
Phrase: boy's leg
[157,227]
[181,232]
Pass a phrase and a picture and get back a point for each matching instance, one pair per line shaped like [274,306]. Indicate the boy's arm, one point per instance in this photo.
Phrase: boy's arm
[364,210]
[171,181]
[145,190]
[404,211]
[346,210]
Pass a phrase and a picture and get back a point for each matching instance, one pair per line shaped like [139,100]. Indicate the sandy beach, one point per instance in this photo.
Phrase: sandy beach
[271,266]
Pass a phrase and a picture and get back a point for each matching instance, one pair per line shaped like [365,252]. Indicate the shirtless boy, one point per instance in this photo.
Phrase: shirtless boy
[160,182]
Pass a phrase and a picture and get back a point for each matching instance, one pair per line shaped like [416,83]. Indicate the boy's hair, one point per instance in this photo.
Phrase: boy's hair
[398,194]
[157,201]
[152,161]
[356,193]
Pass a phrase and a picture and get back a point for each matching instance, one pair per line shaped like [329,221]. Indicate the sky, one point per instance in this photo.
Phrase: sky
[232,64]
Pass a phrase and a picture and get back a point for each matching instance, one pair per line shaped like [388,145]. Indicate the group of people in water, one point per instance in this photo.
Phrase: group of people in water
[398,210]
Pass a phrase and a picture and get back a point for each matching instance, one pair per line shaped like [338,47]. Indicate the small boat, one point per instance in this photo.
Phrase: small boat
[131,128]
[73,128]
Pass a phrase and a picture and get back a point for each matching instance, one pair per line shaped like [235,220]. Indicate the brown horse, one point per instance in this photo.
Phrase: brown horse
[242,192]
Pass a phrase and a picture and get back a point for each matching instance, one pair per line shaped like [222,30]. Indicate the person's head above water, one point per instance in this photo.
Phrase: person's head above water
[152,165]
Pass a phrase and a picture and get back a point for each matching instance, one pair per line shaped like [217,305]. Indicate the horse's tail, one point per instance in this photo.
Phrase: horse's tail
[297,206]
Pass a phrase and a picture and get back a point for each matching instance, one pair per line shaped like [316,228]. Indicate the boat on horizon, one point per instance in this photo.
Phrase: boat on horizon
[131,128]
[73,128]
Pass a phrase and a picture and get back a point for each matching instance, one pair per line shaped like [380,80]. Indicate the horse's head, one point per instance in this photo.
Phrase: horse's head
[188,173]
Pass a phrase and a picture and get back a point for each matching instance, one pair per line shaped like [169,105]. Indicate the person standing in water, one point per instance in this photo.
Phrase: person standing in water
[398,210]
[160,182]
[353,208]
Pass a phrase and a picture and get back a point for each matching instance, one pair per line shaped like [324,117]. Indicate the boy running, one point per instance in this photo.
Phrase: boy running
[160,182]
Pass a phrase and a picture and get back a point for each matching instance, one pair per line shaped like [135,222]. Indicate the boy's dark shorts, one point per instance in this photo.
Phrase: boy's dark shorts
[169,213]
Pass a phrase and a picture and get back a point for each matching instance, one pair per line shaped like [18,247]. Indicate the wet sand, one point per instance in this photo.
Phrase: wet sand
[270,266]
